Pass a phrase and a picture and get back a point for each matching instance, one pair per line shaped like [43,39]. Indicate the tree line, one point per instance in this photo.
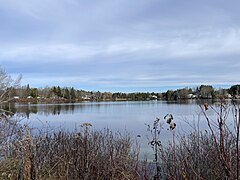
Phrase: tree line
[11,90]
[202,92]
[57,93]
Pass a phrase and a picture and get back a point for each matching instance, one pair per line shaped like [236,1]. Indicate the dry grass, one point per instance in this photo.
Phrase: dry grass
[65,155]
[209,154]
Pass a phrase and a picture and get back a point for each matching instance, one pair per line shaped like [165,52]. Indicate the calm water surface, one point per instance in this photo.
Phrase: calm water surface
[121,116]
[117,116]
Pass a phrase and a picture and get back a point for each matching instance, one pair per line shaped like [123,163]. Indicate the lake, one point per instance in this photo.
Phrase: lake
[131,116]
[117,116]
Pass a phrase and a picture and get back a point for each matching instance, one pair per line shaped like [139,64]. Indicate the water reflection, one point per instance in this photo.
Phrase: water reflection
[41,109]
[71,108]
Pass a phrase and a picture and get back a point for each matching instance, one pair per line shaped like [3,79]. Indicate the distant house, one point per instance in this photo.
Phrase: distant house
[153,97]
[86,98]
[229,96]
[191,96]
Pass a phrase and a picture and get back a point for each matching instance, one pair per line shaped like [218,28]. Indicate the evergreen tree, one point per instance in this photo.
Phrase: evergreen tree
[234,90]
[72,94]
[34,92]
[58,92]
[66,93]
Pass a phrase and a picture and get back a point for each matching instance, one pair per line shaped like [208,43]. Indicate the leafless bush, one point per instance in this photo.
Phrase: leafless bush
[208,154]
[10,134]
[82,154]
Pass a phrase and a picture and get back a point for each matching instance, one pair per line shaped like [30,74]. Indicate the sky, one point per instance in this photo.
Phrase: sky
[121,45]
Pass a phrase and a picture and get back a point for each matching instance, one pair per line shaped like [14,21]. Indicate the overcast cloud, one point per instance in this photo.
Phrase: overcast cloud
[121,45]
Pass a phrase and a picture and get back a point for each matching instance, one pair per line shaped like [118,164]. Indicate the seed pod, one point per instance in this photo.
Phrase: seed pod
[205,106]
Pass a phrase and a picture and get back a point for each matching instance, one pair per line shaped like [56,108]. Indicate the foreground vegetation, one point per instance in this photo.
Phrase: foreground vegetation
[86,154]
[64,155]
[212,153]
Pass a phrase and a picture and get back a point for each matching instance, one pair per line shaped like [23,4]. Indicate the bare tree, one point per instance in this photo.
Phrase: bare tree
[7,84]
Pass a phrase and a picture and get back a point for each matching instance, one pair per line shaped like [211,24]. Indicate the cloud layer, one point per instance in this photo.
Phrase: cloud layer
[121,45]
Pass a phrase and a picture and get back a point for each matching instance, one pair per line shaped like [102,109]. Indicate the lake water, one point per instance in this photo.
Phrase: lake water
[130,116]
[117,116]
